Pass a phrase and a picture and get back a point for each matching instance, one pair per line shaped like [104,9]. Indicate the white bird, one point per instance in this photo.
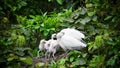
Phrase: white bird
[54,47]
[74,33]
[47,45]
[68,42]
[51,46]
[42,46]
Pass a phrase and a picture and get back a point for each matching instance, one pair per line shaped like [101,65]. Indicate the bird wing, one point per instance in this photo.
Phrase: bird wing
[74,33]
[70,42]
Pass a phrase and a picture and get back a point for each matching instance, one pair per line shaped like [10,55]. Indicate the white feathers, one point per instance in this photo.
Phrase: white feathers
[73,33]
[42,46]
[51,46]
[69,42]
[67,39]
[54,46]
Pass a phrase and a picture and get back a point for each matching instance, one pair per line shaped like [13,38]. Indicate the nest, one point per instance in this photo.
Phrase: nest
[44,60]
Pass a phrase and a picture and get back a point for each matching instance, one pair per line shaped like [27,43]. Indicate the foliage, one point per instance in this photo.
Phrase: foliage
[24,23]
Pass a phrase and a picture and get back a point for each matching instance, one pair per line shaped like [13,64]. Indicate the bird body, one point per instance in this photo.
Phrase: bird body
[51,46]
[42,46]
[47,45]
[73,33]
[54,47]
[67,39]
[68,42]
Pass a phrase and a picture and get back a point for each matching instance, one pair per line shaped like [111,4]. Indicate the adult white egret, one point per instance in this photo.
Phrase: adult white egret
[74,33]
[42,46]
[68,42]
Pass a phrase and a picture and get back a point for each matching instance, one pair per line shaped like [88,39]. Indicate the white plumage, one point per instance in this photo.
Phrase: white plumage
[73,33]
[47,45]
[69,40]
[42,46]
[54,47]
[51,46]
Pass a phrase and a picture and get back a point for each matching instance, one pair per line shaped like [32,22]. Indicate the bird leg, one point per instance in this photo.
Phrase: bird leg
[53,54]
[46,55]
[49,54]
[66,53]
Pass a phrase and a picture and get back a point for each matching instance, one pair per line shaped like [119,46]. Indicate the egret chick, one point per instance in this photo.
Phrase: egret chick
[54,47]
[48,44]
[54,36]
[41,46]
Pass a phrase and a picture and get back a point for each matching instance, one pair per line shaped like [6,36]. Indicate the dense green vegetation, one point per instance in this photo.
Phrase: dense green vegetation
[23,23]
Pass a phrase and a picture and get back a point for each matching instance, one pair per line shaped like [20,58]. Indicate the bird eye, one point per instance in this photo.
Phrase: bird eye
[44,42]
[48,44]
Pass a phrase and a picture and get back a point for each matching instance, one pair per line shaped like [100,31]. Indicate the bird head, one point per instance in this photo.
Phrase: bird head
[42,41]
[60,34]
[54,36]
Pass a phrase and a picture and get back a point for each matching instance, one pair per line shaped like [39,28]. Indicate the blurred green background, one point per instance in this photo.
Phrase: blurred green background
[23,23]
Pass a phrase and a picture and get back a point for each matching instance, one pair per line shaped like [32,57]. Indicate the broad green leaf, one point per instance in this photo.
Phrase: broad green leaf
[10,59]
[39,64]
[61,61]
[32,16]
[89,5]
[91,13]
[83,11]
[70,20]
[108,17]
[71,59]
[37,26]
[85,20]
[20,41]
[61,66]
[14,8]
[27,60]
[52,28]
[94,18]
[97,61]
[60,1]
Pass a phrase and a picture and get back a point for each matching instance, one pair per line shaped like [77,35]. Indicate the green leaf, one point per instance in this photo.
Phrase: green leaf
[89,5]
[69,20]
[1,8]
[50,0]
[46,32]
[27,60]
[91,13]
[79,62]
[14,8]
[60,1]
[85,20]
[10,59]
[52,28]
[94,18]
[23,3]
[108,17]
[83,11]
[36,26]
[39,64]
[61,61]
[71,59]
[97,61]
